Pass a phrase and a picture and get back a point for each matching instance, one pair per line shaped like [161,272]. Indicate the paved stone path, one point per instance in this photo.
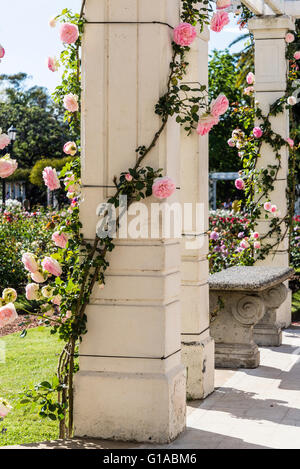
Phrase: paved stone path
[250,408]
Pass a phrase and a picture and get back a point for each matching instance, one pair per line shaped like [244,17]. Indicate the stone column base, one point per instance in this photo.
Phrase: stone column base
[198,357]
[237,356]
[142,407]
[267,335]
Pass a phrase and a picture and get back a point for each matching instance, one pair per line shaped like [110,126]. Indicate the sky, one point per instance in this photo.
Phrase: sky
[28,39]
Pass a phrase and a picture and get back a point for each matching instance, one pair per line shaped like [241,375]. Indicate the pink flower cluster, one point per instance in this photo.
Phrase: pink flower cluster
[2,52]
[4,141]
[218,107]
[69,33]
[7,166]
[8,314]
[51,179]
[53,64]
[71,102]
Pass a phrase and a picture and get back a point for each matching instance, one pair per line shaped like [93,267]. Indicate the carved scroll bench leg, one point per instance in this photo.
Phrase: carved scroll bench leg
[268,332]
[232,328]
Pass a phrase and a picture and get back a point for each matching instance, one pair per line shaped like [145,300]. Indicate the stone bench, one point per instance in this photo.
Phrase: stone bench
[241,298]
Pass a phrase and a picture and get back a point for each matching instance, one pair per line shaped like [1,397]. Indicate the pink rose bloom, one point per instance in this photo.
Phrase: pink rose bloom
[268,206]
[257,132]
[289,38]
[214,236]
[60,239]
[291,142]
[249,90]
[71,102]
[231,142]
[297,55]
[56,300]
[163,187]
[53,64]
[128,177]
[50,178]
[255,235]
[4,141]
[239,184]
[257,245]
[250,78]
[219,106]
[223,4]
[32,291]
[274,209]
[7,167]
[69,33]
[30,263]
[38,277]
[2,52]
[185,34]
[219,20]
[70,148]
[206,123]
[8,314]
[244,244]
[52,266]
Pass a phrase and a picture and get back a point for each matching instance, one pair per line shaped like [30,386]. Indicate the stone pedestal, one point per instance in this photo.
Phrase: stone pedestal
[241,297]
[271,69]
[197,344]
[131,384]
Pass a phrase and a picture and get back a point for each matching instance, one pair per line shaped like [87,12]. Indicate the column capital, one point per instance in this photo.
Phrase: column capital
[271,27]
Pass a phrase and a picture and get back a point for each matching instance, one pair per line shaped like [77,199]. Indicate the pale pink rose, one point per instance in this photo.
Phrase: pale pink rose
[231,142]
[128,177]
[71,102]
[274,209]
[56,300]
[60,239]
[255,235]
[70,148]
[257,132]
[249,90]
[250,78]
[8,314]
[32,291]
[239,184]
[268,206]
[257,245]
[291,142]
[219,106]
[50,178]
[185,34]
[53,64]
[219,20]
[292,100]
[297,55]
[244,244]
[163,187]
[69,33]
[39,277]
[2,52]
[30,263]
[4,141]
[52,266]
[52,22]
[206,123]
[289,38]
[7,167]
[223,4]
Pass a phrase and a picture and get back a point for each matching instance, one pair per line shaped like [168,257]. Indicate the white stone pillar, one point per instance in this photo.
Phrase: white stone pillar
[131,384]
[197,344]
[271,75]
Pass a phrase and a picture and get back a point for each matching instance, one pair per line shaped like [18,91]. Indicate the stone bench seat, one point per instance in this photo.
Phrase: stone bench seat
[243,304]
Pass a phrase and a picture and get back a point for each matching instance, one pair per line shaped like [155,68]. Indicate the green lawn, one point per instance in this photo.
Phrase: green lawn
[296,304]
[28,361]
